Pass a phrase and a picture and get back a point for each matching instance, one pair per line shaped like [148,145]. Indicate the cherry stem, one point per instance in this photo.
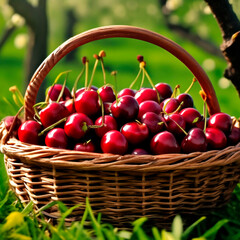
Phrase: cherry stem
[103,71]
[52,126]
[179,126]
[204,97]
[134,81]
[189,88]
[114,74]
[93,72]
[62,90]
[175,91]
[76,82]
[86,74]
[143,77]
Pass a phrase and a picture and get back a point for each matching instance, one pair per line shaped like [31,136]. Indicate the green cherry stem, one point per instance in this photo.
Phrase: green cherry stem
[135,80]
[86,74]
[189,88]
[204,97]
[93,72]
[76,83]
[62,90]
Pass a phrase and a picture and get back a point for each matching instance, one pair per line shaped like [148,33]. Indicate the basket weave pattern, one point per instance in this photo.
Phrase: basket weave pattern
[127,187]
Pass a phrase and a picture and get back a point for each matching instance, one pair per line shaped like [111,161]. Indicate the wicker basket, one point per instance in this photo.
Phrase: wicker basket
[122,188]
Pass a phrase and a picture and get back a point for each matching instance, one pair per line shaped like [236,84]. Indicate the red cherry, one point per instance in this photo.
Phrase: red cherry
[135,132]
[9,121]
[80,90]
[125,108]
[195,141]
[153,121]
[114,142]
[163,143]
[185,100]
[52,114]
[175,123]
[56,138]
[109,124]
[69,105]
[126,91]
[107,94]
[87,103]
[146,94]
[164,90]
[148,106]
[85,147]
[191,116]
[76,125]
[221,121]
[139,151]
[216,139]
[170,105]
[28,132]
[55,90]
[107,107]
[234,136]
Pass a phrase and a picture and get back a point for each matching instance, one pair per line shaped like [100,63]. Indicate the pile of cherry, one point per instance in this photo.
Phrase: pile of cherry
[152,120]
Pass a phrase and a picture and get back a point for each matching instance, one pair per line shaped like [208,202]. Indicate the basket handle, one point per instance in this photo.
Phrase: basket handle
[123,32]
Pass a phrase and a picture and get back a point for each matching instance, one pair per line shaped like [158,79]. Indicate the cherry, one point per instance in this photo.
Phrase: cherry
[170,105]
[216,139]
[87,103]
[9,121]
[28,132]
[107,107]
[52,114]
[77,125]
[164,90]
[109,124]
[85,147]
[153,121]
[114,142]
[186,100]
[56,138]
[69,105]
[139,151]
[135,132]
[55,90]
[195,141]
[163,143]
[234,136]
[221,121]
[175,124]
[106,93]
[148,106]
[191,116]
[126,91]
[146,94]
[125,108]
[80,90]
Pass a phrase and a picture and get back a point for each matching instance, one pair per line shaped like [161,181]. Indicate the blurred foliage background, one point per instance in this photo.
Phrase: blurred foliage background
[195,16]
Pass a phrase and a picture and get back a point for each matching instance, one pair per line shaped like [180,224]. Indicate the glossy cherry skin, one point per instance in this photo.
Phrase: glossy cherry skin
[125,108]
[234,136]
[85,147]
[191,116]
[52,114]
[216,139]
[126,91]
[163,143]
[69,105]
[185,100]
[109,124]
[87,103]
[146,94]
[148,106]
[107,94]
[56,138]
[139,151]
[28,132]
[195,141]
[114,142]
[175,123]
[55,90]
[135,132]
[221,121]
[164,90]
[153,121]
[80,90]
[77,125]
[170,105]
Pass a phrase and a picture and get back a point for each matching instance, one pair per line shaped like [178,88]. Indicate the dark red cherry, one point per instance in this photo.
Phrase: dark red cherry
[56,138]
[185,100]
[77,125]
[107,94]
[148,106]
[170,105]
[145,94]
[28,132]
[164,90]
[107,107]
[175,124]
[80,90]
[234,136]
[195,141]
[85,147]
[114,142]
[139,151]
[52,114]
[216,139]
[55,90]
[191,116]
[126,91]
[135,132]
[125,108]
[9,121]
[87,103]
[109,124]
[69,105]
[163,143]
[221,121]
[153,121]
